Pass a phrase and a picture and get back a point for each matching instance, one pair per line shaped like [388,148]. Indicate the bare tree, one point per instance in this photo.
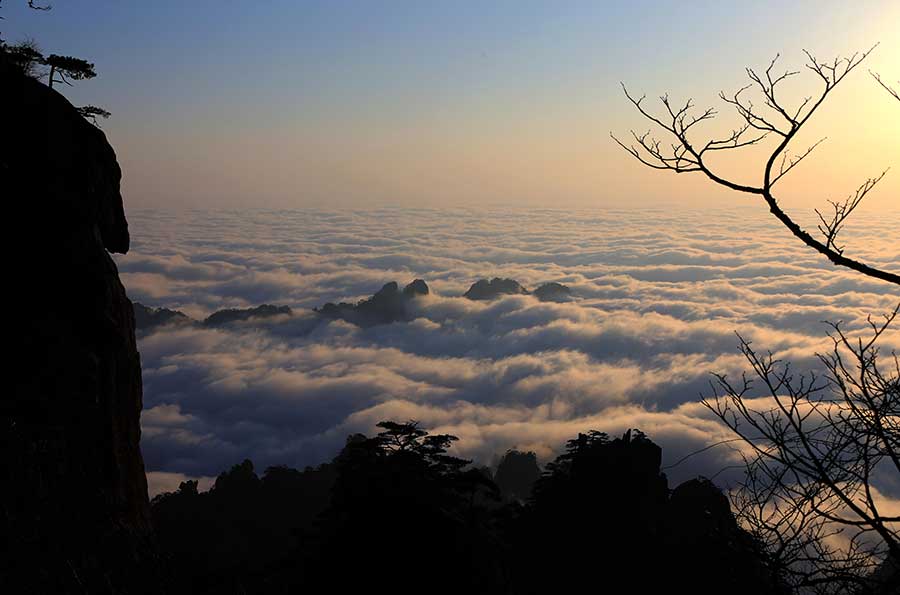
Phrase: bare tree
[684,154]
[815,447]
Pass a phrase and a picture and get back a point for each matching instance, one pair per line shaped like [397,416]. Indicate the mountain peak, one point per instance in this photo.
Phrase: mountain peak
[489,290]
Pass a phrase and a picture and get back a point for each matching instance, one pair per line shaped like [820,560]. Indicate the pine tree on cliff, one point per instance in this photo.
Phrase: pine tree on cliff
[63,68]
[92,112]
[27,57]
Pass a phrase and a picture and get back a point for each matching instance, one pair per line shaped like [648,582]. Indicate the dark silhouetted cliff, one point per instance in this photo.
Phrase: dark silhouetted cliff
[75,509]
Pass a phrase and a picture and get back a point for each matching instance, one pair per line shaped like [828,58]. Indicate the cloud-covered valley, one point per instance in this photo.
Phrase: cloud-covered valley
[659,297]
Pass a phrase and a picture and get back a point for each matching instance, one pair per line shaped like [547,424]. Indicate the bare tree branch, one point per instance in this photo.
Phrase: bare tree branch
[841,211]
[884,85]
[788,163]
[813,447]
[775,118]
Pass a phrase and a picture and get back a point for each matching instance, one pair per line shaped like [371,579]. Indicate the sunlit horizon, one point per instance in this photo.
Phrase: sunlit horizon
[507,104]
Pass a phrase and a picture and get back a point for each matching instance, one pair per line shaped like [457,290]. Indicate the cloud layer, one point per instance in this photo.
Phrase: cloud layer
[659,297]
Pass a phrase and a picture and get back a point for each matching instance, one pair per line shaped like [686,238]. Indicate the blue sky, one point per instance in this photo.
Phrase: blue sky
[295,104]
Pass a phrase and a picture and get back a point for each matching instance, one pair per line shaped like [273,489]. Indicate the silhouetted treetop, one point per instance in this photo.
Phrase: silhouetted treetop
[396,511]
[68,67]
[26,56]
[238,476]
[92,112]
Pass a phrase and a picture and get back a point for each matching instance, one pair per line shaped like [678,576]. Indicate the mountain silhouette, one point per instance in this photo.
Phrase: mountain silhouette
[389,304]
[146,317]
[230,315]
[484,289]
[75,514]
[553,292]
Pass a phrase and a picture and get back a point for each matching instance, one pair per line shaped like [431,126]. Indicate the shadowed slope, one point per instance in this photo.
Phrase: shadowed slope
[77,518]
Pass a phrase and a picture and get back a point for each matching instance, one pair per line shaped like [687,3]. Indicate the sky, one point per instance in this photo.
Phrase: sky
[368,104]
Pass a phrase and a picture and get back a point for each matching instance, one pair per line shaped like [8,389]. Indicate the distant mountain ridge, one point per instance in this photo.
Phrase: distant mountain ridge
[240,314]
[148,318]
[485,289]
[387,305]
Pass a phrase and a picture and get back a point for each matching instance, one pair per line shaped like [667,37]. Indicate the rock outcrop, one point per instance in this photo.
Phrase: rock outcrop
[492,289]
[496,287]
[75,508]
[516,474]
[388,305]
[553,292]
[230,315]
[699,524]
[147,318]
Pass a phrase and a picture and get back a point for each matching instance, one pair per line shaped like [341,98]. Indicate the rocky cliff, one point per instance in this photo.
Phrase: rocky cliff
[75,509]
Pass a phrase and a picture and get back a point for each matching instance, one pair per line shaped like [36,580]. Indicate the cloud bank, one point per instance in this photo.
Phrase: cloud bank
[658,298]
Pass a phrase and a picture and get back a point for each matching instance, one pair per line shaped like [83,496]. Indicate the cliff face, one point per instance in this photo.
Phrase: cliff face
[76,514]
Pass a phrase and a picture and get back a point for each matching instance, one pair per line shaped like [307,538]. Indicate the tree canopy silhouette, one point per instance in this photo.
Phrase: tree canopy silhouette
[26,56]
[398,511]
[63,68]
[602,511]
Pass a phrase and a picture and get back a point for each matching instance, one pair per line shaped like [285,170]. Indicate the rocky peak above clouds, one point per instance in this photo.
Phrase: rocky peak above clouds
[388,304]
[149,318]
[484,289]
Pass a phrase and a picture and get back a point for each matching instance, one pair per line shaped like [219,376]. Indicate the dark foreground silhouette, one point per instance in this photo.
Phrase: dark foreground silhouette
[74,514]
[395,512]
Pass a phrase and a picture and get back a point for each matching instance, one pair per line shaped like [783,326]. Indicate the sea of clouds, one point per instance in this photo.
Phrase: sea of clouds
[660,296]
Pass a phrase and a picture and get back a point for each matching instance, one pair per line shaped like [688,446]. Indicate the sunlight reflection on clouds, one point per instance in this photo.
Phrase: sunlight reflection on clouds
[659,297]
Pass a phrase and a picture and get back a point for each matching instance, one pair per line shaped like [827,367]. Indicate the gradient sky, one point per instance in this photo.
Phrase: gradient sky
[359,104]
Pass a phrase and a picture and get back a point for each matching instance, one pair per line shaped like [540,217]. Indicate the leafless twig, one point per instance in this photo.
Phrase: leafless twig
[771,117]
[813,446]
[884,85]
